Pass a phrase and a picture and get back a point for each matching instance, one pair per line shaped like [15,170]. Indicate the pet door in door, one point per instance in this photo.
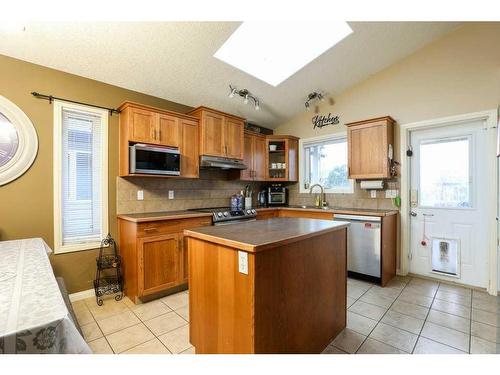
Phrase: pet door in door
[445,257]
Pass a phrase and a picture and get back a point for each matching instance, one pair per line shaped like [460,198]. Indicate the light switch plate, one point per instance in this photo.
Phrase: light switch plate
[373,193]
[243,262]
[170,194]
[140,195]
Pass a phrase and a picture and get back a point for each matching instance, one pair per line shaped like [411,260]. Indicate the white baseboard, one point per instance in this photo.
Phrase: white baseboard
[81,295]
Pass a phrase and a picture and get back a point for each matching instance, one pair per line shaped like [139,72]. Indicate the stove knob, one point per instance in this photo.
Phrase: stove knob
[226,214]
[253,212]
[219,214]
[249,212]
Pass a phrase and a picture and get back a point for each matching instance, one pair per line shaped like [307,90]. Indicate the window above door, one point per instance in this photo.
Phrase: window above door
[323,161]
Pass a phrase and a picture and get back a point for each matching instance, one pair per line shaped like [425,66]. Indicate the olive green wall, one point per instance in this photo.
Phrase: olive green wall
[26,204]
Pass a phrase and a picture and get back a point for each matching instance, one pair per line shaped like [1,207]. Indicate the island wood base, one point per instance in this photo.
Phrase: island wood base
[293,299]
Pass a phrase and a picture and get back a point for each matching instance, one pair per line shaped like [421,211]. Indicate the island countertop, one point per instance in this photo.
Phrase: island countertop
[255,236]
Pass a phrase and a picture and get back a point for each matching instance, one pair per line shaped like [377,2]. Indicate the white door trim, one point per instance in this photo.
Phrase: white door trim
[490,117]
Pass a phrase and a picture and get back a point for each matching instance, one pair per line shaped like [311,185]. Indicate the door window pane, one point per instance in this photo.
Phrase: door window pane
[445,173]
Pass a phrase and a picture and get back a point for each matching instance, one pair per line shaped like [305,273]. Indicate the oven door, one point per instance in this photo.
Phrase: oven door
[154,160]
[276,198]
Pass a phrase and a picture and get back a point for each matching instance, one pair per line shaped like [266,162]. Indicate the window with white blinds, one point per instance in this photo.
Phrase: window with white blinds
[80,177]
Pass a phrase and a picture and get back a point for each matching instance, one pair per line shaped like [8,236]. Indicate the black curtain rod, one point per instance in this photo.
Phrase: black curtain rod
[50,98]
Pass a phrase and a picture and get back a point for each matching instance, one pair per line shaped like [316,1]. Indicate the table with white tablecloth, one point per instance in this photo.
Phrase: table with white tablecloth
[33,315]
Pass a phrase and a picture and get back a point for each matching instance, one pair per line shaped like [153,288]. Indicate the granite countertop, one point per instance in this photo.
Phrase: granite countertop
[186,214]
[165,215]
[255,236]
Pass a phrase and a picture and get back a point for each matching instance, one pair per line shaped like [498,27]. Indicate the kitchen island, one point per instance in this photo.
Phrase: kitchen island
[268,286]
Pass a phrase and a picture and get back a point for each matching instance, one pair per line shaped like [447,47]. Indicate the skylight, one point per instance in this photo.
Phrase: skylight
[274,50]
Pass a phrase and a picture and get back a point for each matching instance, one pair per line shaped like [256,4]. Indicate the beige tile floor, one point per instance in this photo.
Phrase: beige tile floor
[418,316]
[411,315]
[156,327]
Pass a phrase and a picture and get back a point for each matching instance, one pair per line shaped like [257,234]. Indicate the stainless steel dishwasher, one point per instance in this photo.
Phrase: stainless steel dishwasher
[363,246]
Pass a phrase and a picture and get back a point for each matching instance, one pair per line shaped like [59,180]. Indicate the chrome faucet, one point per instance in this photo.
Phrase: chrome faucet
[320,200]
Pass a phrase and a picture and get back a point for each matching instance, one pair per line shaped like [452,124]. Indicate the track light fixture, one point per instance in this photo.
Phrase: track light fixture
[246,95]
[312,97]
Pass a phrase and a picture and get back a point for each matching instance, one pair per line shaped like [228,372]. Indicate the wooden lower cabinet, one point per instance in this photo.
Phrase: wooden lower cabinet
[154,256]
[158,259]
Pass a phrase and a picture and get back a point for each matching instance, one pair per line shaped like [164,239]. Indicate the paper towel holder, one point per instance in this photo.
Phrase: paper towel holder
[372,185]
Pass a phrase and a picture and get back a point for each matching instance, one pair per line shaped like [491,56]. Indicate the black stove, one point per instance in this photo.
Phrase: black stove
[224,215]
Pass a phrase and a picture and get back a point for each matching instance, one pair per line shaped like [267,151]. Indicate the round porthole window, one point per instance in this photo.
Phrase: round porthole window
[18,141]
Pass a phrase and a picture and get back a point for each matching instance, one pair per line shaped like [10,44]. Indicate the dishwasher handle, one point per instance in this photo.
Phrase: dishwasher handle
[375,219]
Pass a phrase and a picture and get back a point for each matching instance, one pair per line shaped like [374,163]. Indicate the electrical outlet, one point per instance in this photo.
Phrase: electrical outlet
[140,195]
[373,193]
[170,194]
[243,262]
[391,193]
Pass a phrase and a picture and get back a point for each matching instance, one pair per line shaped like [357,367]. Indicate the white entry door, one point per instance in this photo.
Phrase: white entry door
[448,203]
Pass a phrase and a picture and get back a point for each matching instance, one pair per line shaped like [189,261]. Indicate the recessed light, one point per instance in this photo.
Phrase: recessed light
[274,50]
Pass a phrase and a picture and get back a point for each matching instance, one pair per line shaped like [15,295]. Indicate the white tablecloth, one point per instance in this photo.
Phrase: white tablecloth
[33,315]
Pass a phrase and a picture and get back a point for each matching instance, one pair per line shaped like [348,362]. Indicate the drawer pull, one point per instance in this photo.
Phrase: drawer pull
[150,229]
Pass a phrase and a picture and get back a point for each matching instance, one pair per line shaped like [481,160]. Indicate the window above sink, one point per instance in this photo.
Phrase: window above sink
[323,160]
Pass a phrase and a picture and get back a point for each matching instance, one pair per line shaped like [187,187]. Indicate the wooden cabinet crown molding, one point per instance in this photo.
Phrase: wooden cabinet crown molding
[197,110]
[130,104]
[372,120]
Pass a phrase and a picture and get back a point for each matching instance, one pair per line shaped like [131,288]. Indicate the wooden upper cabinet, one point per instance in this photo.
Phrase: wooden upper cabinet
[159,263]
[212,134]
[189,149]
[282,159]
[369,143]
[169,130]
[144,124]
[259,158]
[248,151]
[233,138]
[221,134]
[254,157]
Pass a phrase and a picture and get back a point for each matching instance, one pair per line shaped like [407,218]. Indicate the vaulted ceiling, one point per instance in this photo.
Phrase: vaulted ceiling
[174,60]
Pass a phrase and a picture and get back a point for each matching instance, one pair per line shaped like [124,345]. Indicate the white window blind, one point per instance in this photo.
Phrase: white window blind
[80,217]
[81,190]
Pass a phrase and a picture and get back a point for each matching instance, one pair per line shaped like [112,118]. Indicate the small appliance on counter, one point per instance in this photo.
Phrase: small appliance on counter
[277,195]
[262,198]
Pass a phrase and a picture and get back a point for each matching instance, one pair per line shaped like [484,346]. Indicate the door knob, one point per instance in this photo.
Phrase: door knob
[413,213]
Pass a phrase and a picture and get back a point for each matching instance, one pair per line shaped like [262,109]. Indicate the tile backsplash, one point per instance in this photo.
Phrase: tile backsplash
[213,189]
[359,199]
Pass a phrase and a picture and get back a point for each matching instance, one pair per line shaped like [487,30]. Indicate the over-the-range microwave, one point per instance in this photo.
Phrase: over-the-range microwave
[149,159]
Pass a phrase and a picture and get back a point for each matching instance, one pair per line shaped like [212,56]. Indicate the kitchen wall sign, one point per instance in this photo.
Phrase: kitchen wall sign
[320,121]
[18,142]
